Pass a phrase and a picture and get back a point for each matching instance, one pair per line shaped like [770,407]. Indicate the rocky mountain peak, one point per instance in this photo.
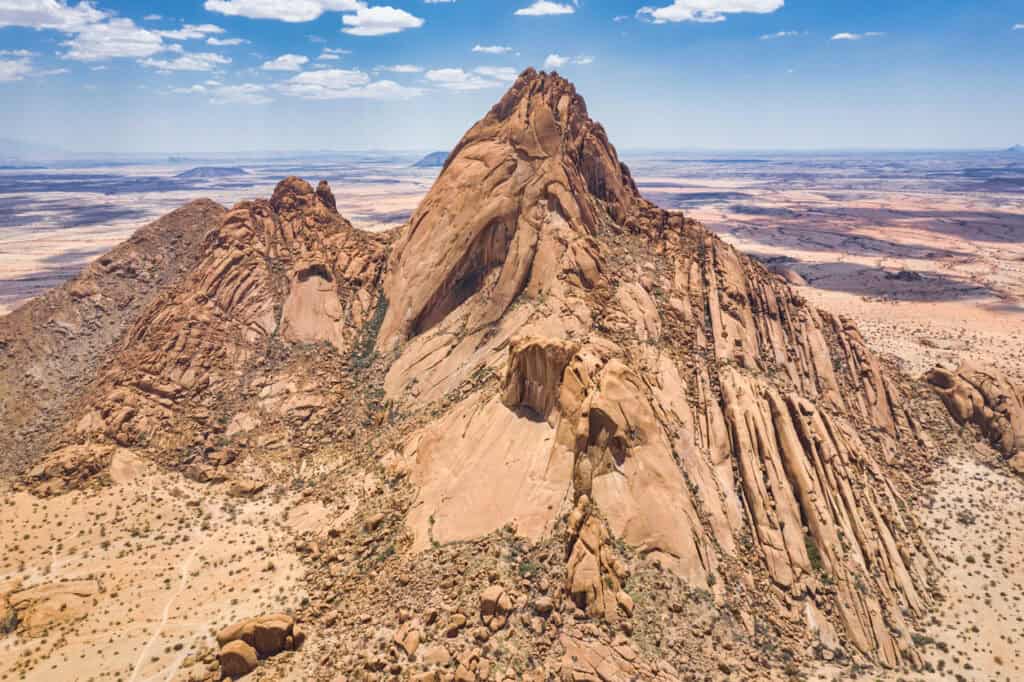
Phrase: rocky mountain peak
[517,207]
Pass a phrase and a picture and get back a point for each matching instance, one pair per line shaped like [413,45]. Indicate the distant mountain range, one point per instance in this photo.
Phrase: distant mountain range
[209,172]
[432,160]
[1016,148]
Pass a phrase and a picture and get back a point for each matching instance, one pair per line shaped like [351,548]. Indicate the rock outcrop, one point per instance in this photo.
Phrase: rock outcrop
[244,643]
[275,275]
[987,399]
[52,347]
[691,404]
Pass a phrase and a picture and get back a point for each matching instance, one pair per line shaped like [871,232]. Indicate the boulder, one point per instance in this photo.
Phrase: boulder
[985,398]
[237,658]
[495,606]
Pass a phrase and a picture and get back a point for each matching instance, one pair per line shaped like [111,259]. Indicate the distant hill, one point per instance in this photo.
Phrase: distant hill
[1016,148]
[208,172]
[432,160]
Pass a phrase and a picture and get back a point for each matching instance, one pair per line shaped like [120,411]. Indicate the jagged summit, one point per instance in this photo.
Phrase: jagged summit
[535,174]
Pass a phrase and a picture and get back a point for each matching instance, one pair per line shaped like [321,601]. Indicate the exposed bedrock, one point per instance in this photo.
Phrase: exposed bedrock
[987,399]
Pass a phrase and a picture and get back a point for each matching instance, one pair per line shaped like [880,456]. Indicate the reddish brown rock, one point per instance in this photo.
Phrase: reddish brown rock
[237,659]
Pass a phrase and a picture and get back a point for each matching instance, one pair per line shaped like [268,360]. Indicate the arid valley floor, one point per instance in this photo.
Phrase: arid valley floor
[923,251]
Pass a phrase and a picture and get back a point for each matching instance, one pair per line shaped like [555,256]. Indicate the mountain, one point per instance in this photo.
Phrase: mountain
[553,427]
[211,172]
[1016,148]
[432,160]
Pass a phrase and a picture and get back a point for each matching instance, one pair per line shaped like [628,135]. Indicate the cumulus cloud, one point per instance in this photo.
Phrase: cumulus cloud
[478,79]
[329,84]
[191,32]
[379,21]
[14,69]
[199,61]
[111,39]
[543,8]
[332,54]
[49,14]
[96,35]
[557,61]
[857,36]
[1018,27]
[492,49]
[226,42]
[246,93]
[286,62]
[359,18]
[401,68]
[706,11]
[294,11]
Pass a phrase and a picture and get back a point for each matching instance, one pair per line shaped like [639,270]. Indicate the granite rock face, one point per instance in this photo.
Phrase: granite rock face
[539,354]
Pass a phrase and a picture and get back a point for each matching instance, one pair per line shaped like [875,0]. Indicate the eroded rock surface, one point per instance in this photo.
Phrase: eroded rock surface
[549,428]
[987,399]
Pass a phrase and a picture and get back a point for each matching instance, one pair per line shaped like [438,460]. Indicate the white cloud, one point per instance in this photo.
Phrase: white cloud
[49,14]
[1018,27]
[114,38]
[401,68]
[706,11]
[95,35]
[478,79]
[152,17]
[328,84]
[557,61]
[543,8]
[194,90]
[857,36]
[191,32]
[226,42]
[14,69]
[286,62]
[492,49]
[331,54]
[780,34]
[200,61]
[22,67]
[246,93]
[294,11]
[379,21]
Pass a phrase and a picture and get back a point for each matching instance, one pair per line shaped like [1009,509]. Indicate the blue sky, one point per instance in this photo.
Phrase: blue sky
[250,75]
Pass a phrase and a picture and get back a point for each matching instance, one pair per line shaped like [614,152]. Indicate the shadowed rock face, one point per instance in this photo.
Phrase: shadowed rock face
[556,355]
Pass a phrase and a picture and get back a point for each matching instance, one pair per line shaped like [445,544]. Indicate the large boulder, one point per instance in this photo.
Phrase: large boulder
[989,400]
[237,658]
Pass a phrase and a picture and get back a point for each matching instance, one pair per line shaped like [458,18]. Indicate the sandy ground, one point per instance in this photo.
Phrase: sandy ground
[976,530]
[130,582]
